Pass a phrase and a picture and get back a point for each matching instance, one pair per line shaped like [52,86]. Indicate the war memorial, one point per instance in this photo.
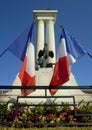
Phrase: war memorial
[45,59]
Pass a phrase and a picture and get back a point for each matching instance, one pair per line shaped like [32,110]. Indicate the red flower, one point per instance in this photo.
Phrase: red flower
[51,116]
[16,118]
[63,114]
[77,109]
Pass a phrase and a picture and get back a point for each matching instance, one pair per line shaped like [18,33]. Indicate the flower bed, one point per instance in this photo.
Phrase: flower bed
[43,115]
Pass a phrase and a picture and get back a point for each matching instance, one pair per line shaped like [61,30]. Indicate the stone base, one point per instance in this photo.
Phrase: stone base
[43,77]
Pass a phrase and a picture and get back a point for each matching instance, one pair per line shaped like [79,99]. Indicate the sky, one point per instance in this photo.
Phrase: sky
[74,15]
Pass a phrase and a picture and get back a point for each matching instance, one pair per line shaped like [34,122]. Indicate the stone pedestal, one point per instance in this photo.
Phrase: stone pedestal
[43,77]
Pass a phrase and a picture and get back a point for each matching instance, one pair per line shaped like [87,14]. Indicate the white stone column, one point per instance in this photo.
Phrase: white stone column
[50,39]
[40,36]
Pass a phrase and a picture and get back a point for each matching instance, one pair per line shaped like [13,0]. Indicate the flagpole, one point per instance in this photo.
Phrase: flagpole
[59,24]
[3,52]
[89,55]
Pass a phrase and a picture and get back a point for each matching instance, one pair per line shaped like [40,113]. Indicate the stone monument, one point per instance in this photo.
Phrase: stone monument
[46,58]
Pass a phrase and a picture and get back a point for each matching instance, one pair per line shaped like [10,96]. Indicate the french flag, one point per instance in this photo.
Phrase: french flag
[27,73]
[69,50]
[23,48]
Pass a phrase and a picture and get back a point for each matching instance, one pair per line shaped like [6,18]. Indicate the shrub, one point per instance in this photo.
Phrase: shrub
[43,114]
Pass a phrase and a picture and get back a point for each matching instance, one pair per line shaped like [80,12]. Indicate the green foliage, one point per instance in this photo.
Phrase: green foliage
[43,113]
[3,111]
[85,107]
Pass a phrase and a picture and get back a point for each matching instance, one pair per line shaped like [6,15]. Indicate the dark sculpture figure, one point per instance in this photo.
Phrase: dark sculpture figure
[43,56]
